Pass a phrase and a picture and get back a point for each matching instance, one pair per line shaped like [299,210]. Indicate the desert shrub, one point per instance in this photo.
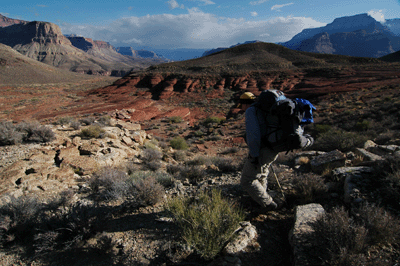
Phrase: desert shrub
[34,132]
[206,222]
[152,159]
[383,228]
[212,120]
[199,160]
[225,164]
[93,131]
[18,217]
[362,125]
[151,155]
[151,144]
[174,169]
[230,150]
[341,239]
[65,120]
[338,139]
[179,143]
[386,182]
[179,155]
[193,173]
[147,190]
[175,119]
[111,183]
[320,129]
[87,121]
[308,188]
[9,135]
[337,240]
[104,120]
[75,125]
[164,178]
[69,229]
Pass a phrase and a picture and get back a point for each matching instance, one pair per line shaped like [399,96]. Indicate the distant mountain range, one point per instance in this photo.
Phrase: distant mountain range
[359,35]
[44,42]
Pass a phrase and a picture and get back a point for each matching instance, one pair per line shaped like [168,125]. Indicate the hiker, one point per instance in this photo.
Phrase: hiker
[265,138]
[246,100]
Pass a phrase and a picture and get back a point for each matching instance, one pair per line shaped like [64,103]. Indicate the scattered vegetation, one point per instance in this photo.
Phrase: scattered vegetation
[211,121]
[92,131]
[339,139]
[11,134]
[175,119]
[207,222]
[343,239]
[179,143]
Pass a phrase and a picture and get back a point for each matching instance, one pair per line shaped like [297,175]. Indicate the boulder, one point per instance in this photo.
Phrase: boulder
[369,158]
[243,237]
[305,216]
[331,159]
[127,125]
[355,180]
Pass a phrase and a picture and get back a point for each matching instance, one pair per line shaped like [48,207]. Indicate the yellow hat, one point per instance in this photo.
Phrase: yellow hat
[247,96]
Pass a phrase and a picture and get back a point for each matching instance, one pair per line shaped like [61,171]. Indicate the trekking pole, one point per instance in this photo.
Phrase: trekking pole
[277,181]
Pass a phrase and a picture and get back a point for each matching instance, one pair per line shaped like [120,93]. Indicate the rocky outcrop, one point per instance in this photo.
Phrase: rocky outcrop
[53,167]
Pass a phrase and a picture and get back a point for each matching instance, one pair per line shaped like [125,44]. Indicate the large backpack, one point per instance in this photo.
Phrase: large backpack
[283,116]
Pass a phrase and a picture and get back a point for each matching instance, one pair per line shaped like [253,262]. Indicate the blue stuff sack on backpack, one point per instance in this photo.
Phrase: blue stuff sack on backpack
[308,108]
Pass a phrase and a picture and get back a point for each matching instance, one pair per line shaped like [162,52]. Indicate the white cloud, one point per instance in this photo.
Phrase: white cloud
[207,2]
[195,29]
[254,14]
[377,15]
[258,2]
[174,4]
[278,7]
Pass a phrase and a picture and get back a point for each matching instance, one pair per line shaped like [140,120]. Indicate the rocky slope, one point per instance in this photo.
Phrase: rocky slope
[16,68]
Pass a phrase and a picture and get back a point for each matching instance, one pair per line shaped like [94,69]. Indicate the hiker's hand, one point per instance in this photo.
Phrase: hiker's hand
[310,140]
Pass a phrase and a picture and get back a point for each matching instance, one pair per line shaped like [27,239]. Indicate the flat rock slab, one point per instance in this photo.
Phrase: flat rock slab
[305,216]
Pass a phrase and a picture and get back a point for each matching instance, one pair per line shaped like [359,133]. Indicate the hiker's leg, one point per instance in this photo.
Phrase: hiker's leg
[250,182]
[267,157]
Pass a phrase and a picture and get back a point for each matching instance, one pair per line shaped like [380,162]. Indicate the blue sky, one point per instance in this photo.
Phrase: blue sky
[192,23]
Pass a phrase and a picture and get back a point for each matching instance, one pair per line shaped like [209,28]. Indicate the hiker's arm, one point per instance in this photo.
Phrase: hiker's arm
[305,139]
[253,134]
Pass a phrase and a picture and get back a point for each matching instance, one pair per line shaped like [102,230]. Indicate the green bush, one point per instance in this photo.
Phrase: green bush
[199,160]
[209,121]
[363,125]
[175,119]
[206,223]
[179,143]
[93,131]
[339,139]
